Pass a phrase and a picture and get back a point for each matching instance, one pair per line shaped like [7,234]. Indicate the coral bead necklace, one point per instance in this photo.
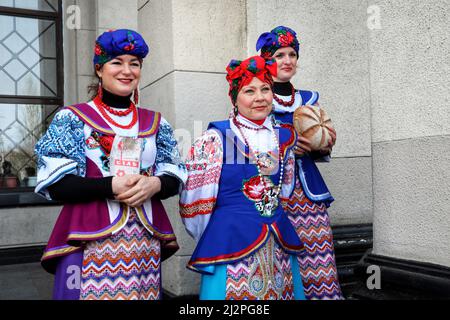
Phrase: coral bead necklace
[104,109]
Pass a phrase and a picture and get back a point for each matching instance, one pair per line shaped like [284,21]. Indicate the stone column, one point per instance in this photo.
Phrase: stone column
[96,17]
[78,48]
[191,43]
[117,14]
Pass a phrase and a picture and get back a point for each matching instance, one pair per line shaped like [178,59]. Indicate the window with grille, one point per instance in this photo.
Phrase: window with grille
[31,89]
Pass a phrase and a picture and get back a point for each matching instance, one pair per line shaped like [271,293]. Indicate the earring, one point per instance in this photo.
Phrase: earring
[235,110]
[136,97]
[100,90]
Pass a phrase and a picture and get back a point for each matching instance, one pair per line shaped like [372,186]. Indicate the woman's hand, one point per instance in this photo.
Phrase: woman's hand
[123,184]
[142,188]
[303,146]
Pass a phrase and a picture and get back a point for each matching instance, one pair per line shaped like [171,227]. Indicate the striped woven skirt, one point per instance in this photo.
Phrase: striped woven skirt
[125,266]
[317,262]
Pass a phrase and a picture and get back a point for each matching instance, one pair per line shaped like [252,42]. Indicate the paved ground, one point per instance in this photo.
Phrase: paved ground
[25,282]
[31,282]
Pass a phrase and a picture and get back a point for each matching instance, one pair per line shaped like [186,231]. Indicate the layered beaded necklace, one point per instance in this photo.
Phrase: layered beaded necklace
[104,109]
[270,195]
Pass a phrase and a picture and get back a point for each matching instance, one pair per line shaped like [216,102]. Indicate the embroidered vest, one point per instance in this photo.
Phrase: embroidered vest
[236,228]
[79,223]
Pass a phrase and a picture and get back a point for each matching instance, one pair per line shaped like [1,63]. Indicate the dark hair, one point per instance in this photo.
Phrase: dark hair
[92,88]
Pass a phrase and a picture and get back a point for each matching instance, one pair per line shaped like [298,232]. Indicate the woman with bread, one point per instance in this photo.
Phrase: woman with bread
[307,206]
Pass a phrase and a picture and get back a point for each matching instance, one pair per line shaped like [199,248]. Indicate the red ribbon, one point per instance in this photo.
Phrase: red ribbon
[244,73]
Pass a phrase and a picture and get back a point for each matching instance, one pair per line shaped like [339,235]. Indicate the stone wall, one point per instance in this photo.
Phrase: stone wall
[386,89]
[191,42]
[410,75]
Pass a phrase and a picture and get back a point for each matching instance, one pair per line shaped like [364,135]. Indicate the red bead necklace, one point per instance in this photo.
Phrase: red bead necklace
[286,103]
[103,108]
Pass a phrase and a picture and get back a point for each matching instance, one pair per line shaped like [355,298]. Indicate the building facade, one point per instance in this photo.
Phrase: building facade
[382,69]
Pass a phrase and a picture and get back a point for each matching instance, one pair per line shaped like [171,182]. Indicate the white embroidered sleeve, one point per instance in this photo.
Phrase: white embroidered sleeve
[198,198]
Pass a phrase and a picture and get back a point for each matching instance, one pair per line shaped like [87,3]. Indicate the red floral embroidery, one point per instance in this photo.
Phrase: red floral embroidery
[98,50]
[254,188]
[129,47]
[92,143]
[106,142]
[285,40]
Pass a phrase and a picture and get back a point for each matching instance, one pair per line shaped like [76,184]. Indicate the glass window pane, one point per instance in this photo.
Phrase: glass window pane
[28,59]
[41,5]
[21,126]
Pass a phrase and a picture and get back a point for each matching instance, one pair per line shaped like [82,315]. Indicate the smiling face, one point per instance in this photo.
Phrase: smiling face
[121,75]
[254,100]
[286,59]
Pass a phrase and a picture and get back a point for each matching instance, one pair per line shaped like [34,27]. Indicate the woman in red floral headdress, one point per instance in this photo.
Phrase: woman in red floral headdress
[246,246]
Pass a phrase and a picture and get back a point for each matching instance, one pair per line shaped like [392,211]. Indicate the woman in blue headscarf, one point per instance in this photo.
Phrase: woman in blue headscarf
[110,163]
[307,207]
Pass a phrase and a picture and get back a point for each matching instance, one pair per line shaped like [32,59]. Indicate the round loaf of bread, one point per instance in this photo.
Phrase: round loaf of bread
[314,124]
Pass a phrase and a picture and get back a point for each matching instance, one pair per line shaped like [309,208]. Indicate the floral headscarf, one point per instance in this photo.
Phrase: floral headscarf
[280,37]
[114,43]
[241,73]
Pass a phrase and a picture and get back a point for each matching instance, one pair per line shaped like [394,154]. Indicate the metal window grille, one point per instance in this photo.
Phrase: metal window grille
[31,89]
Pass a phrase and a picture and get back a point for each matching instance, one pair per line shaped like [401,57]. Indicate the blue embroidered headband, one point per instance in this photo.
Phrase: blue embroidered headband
[114,43]
[280,37]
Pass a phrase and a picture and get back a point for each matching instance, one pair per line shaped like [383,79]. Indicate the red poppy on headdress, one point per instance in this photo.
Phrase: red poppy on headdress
[129,47]
[98,50]
[286,39]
